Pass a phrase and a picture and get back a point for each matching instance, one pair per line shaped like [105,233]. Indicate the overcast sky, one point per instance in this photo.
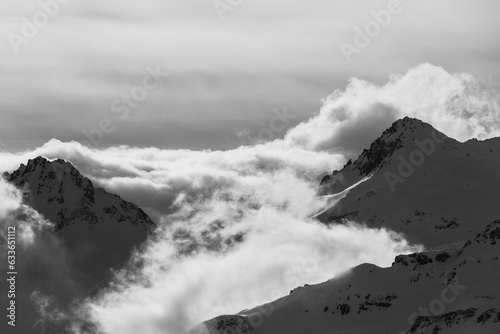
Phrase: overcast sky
[205,83]
[225,76]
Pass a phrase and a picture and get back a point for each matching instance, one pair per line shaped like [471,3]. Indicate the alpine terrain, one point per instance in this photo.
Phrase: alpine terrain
[435,191]
[93,233]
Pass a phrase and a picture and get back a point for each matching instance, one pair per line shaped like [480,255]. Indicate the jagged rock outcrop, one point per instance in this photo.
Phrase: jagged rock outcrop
[490,235]
[423,184]
[380,152]
[89,221]
[226,324]
[58,191]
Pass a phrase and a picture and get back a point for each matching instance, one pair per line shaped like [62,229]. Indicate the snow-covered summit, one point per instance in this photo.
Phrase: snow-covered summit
[90,222]
[401,134]
[432,188]
[435,191]
[58,191]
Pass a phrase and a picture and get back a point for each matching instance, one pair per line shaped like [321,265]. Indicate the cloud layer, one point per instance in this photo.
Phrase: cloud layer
[224,74]
[235,231]
[45,275]
[235,227]
[459,105]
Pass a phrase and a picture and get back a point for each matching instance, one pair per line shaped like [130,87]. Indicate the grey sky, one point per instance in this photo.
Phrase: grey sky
[224,76]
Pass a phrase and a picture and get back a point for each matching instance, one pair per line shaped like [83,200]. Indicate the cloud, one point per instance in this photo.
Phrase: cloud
[46,282]
[15,213]
[154,178]
[235,227]
[240,248]
[460,105]
[224,74]
[235,231]
[11,200]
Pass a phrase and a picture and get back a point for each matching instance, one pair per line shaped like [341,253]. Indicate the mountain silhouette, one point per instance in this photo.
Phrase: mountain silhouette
[93,233]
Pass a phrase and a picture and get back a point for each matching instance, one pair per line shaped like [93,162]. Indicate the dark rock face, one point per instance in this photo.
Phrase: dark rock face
[378,303]
[443,257]
[487,315]
[415,259]
[344,309]
[340,218]
[225,324]
[423,259]
[325,179]
[490,235]
[445,320]
[379,151]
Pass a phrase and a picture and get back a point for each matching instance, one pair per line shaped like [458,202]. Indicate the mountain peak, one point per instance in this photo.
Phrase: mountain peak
[400,135]
[40,160]
[97,230]
[59,191]
[42,167]
[409,121]
[411,127]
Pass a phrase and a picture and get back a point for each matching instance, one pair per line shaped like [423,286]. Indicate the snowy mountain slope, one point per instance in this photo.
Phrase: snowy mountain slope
[94,232]
[453,290]
[429,187]
[89,220]
[63,195]
[448,201]
[86,218]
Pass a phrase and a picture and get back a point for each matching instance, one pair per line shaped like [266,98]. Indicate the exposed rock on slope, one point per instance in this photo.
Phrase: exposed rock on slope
[58,191]
[94,232]
[436,191]
[429,187]
[450,290]
[90,221]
